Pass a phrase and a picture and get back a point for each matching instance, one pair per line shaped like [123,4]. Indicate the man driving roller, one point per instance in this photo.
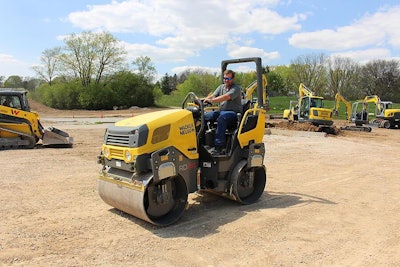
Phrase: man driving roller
[228,95]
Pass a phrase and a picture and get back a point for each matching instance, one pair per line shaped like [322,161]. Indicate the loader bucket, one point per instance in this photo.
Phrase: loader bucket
[54,137]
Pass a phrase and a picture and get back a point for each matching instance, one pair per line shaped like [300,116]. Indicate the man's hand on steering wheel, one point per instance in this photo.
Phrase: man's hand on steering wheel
[206,102]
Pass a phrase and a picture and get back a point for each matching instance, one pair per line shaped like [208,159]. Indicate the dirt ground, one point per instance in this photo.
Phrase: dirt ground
[329,201]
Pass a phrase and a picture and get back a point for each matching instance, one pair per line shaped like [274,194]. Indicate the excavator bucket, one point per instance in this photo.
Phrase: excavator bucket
[54,137]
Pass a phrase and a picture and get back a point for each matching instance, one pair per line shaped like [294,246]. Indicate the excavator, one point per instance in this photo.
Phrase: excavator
[386,116]
[249,91]
[21,128]
[151,162]
[352,116]
[310,108]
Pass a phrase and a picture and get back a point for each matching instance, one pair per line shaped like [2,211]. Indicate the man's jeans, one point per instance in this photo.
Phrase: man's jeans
[224,119]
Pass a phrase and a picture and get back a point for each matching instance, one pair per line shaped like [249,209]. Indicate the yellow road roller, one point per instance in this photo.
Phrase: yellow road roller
[152,162]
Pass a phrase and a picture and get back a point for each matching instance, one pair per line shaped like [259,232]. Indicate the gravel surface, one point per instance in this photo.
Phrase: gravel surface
[329,201]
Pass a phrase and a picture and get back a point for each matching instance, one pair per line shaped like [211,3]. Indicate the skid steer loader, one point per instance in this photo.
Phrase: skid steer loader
[21,128]
[151,162]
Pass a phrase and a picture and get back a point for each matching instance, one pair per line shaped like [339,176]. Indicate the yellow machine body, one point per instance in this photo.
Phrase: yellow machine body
[385,115]
[165,128]
[151,162]
[21,128]
[309,108]
[359,118]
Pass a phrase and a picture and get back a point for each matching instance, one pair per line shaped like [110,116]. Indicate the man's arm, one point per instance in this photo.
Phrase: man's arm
[218,99]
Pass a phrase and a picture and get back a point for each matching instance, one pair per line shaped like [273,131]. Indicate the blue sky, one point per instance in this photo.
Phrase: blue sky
[200,33]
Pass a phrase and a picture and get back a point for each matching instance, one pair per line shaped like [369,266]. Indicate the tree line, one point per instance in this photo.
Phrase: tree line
[325,76]
[91,71]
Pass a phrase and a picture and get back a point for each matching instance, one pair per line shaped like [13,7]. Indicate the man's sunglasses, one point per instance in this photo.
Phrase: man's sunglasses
[227,79]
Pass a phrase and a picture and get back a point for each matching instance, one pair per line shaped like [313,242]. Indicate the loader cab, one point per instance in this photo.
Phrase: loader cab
[14,99]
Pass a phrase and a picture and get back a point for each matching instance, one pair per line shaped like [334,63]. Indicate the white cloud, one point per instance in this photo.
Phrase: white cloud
[183,28]
[196,68]
[158,54]
[376,29]
[12,66]
[236,51]
[365,55]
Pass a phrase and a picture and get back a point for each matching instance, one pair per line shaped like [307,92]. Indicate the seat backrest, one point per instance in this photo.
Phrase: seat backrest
[245,105]
[250,123]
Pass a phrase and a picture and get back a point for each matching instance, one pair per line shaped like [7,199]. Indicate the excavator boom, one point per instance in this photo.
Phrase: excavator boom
[339,98]
[249,91]
[304,91]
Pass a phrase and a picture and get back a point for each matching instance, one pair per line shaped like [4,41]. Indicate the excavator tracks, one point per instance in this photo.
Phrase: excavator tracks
[357,128]
[21,140]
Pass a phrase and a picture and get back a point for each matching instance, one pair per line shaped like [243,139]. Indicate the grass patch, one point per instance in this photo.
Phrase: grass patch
[277,104]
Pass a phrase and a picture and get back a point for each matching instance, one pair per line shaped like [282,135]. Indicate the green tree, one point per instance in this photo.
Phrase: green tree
[380,77]
[310,70]
[276,84]
[59,95]
[96,97]
[173,82]
[50,60]
[145,68]
[92,56]
[165,84]
[14,81]
[157,93]
[342,77]
[244,79]
[289,81]
[201,85]
[31,84]
[130,89]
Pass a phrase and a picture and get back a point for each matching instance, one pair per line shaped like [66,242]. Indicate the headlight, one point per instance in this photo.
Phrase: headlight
[315,113]
[106,152]
[128,155]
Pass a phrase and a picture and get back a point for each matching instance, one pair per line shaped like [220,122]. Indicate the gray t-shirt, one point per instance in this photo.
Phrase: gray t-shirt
[235,103]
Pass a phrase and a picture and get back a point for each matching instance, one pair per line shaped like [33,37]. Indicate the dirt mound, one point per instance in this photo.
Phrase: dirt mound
[40,108]
[304,126]
[45,111]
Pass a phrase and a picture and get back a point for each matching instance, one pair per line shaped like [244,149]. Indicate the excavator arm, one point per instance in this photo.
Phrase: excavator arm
[248,93]
[358,121]
[304,91]
[339,98]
